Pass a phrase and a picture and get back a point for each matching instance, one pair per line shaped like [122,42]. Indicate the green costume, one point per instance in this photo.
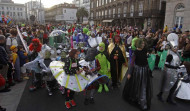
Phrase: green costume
[105,66]
[133,43]
[162,59]
[151,61]
[104,63]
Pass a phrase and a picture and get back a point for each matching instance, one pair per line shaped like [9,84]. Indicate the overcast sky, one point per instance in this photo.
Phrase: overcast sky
[46,3]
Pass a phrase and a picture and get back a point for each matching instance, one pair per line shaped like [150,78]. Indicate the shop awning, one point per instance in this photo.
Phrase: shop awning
[107,20]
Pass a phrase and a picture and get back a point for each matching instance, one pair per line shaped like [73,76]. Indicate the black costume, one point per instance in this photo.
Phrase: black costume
[138,89]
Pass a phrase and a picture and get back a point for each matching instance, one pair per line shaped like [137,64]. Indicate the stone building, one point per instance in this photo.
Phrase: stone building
[139,13]
[14,10]
[62,13]
[178,14]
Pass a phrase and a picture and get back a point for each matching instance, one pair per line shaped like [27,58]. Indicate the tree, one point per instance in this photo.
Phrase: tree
[82,12]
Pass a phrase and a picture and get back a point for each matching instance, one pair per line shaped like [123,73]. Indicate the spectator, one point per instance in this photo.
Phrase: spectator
[12,40]
[3,58]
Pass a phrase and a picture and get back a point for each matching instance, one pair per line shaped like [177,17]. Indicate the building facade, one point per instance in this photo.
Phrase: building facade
[139,13]
[178,14]
[62,13]
[36,9]
[15,11]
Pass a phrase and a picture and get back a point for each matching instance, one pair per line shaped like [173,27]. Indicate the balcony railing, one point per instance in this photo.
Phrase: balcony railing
[137,14]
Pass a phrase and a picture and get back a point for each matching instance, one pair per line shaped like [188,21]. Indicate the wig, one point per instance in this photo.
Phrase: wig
[35,42]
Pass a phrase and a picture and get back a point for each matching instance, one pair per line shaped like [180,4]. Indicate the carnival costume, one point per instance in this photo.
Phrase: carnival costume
[184,83]
[138,89]
[102,57]
[170,77]
[117,70]
[35,58]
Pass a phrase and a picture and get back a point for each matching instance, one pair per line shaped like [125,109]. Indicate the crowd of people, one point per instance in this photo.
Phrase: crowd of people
[104,50]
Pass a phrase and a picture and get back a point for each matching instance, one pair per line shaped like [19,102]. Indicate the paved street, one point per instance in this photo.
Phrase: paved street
[112,101]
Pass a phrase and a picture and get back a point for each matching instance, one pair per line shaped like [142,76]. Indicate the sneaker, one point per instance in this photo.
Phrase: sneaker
[106,88]
[67,104]
[86,101]
[73,103]
[92,100]
[50,93]
[100,88]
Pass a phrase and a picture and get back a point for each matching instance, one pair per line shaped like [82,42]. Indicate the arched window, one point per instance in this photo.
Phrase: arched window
[179,15]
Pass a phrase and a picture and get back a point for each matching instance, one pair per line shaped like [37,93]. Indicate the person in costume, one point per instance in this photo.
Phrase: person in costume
[184,84]
[71,68]
[151,59]
[83,37]
[170,75]
[35,48]
[138,87]
[50,81]
[117,57]
[16,62]
[92,71]
[102,57]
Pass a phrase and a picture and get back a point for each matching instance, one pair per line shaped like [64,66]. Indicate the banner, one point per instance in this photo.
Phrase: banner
[21,38]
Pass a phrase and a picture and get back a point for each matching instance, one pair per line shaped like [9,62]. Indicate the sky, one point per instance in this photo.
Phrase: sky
[46,3]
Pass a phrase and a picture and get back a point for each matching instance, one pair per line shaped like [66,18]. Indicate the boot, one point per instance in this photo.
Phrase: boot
[100,88]
[106,88]
[171,101]
[86,101]
[159,96]
[73,103]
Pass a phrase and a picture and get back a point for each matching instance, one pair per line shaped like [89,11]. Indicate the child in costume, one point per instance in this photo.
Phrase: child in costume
[49,79]
[16,62]
[71,68]
[102,57]
[91,70]
[35,48]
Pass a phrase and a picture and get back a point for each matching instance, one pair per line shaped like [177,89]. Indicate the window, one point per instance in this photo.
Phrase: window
[13,8]
[97,14]
[97,3]
[106,13]
[3,13]
[20,8]
[7,13]
[2,8]
[179,15]
[102,2]
[125,11]
[113,12]
[65,11]
[132,10]
[13,13]
[7,8]
[119,12]
[20,13]
[109,12]
[0,12]
[17,8]
[92,3]
[102,13]
[140,8]
[91,15]
[106,1]
[10,8]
